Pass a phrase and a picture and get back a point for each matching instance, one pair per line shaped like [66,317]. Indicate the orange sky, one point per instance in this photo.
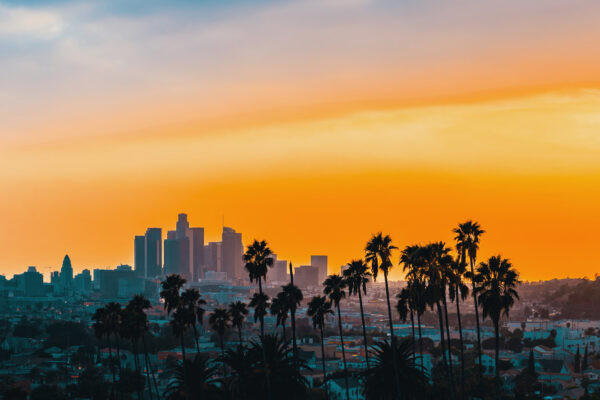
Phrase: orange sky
[311,137]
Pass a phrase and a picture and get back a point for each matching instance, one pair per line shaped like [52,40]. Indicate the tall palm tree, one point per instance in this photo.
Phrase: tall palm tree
[357,276]
[436,256]
[334,289]
[171,295]
[220,321]
[318,309]
[496,292]
[238,312]
[467,244]
[113,327]
[292,296]
[378,254]
[280,310]
[101,330]
[131,329]
[459,291]
[414,267]
[139,304]
[193,302]
[258,259]
[404,307]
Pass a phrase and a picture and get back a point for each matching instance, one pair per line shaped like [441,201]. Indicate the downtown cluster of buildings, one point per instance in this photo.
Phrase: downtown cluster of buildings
[183,251]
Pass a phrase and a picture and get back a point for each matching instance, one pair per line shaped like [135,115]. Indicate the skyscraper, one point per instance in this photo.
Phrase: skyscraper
[320,262]
[66,273]
[139,255]
[279,271]
[232,250]
[212,257]
[196,237]
[306,276]
[153,253]
[177,260]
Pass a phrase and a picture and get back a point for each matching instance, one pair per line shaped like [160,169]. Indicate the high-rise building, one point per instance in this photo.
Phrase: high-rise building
[320,262]
[139,255]
[177,257]
[82,282]
[232,250]
[306,276]
[182,226]
[66,274]
[31,283]
[212,257]
[279,271]
[196,238]
[153,253]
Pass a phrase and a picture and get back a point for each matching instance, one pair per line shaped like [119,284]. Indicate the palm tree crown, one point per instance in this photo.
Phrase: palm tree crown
[258,259]
[378,253]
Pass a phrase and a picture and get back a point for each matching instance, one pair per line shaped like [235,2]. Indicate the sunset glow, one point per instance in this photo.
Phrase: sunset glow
[309,139]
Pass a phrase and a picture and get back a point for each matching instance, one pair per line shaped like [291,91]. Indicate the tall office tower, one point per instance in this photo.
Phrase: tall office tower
[31,283]
[177,259]
[171,234]
[279,271]
[139,255]
[306,276]
[232,250]
[66,273]
[153,256]
[320,262]
[196,237]
[182,226]
[212,257]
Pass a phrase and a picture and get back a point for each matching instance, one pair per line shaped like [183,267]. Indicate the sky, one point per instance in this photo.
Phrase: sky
[311,124]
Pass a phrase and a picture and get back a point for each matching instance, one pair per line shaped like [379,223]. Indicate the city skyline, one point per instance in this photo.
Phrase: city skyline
[286,117]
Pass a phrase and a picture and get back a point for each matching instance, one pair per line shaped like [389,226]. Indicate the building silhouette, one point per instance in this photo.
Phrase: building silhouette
[66,274]
[232,251]
[306,276]
[279,272]
[139,255]
[153,253]
[212,257]
[320,262]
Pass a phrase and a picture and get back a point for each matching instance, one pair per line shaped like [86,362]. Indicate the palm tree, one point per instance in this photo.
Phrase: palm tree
[280,311]
[467,244]
[131,329]
[238,312]
[171,295]
[101,329]
[193,302]
[413,261]
[357,276]
[459,291]
[496,292]
[113,327]
[248,378]
[404,308]
[260,303]
[193,380]
[318,309]
[334,289]
[378,378]
[378,254]
[139,304]
[219,321]
[170,291]
[258,259]
[292,297]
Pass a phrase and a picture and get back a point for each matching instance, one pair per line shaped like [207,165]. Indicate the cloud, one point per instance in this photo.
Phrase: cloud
[22,24]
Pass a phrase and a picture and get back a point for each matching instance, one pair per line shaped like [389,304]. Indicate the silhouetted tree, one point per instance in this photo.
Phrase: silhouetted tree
[334,289]
[238,312]
[357,276]
[318,309]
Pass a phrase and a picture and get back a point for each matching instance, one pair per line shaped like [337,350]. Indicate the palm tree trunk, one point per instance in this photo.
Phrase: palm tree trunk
[118,354]
[222,354]
[497,334]
[295,348]
[112,366]
[264,356]
[240,333]
[148,368]
[450,368]
[261,319]
[442,343]
[474,291]
[284,334]
[196,337]
[323,363]
[137,365]
[420,339]
[392,338]
[462,350]
[364,329]
[182,347]
[343,352]
[414,339]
